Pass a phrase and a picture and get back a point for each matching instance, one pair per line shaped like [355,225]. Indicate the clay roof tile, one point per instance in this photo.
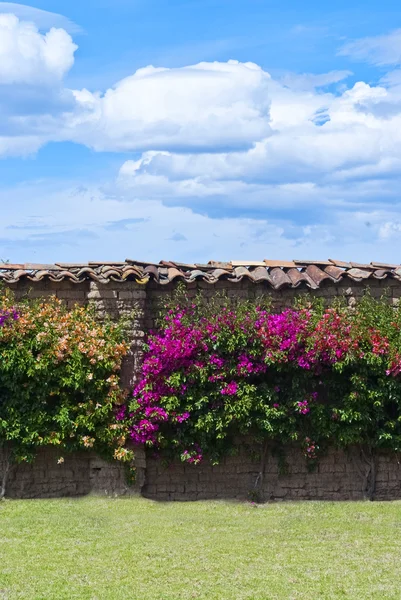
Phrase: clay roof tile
[279,278]
[276,273]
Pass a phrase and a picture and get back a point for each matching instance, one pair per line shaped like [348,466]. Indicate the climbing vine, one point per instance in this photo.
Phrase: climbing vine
[311,375]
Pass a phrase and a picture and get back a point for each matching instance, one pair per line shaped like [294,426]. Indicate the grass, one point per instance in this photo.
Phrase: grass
[125,549]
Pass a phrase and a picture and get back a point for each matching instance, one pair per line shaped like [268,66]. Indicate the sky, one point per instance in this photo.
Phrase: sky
[200,130]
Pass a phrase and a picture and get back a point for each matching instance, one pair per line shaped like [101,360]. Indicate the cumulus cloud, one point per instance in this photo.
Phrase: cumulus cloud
[33,101]
[360,139]
[213,139]
[208,106]
[332,187]
[203,126]
[27,56]
[199,107]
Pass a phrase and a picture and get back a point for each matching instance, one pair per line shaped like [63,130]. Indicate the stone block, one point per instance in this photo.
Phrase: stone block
[132,295]
[71,295]
[99,295]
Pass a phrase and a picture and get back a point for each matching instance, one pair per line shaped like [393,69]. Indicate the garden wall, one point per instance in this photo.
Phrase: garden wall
[80,474]
[338,476]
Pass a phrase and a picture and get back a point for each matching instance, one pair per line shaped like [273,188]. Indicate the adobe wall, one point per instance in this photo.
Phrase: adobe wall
[80,474]
[338,475]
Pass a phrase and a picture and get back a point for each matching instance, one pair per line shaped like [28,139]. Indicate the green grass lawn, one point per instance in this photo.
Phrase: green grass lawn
[127,549]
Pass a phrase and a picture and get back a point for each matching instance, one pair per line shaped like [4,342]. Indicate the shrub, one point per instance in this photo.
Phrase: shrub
[313,375]
[59,380]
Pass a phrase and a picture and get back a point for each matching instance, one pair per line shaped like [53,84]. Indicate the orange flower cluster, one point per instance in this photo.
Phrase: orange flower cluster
[64,332]
[62,367]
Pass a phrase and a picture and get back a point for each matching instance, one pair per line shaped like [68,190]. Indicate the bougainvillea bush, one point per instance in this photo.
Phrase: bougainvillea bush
[59,380]
[310,375]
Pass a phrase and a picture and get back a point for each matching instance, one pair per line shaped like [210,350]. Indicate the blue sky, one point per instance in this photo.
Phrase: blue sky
[198,130]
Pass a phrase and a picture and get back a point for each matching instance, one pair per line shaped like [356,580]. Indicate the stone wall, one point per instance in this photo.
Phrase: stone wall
[338,475]
[80,474]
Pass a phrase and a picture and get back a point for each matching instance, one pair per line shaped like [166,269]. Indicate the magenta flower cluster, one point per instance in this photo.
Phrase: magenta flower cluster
[303,407]
[202,375]
[292,336]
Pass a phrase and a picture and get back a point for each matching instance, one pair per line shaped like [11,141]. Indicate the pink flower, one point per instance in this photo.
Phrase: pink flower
[230,389]
[303,407]
[184,417]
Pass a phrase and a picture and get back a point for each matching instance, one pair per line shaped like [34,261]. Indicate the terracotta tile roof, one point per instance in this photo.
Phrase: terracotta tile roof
[278,274]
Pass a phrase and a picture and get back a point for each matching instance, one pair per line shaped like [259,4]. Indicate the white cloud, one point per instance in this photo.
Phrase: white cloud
[378,50]
[390,229]
[358,141]
[216,139]
[250,196]
[22,145]
[33,101]
[311,81]
[43,19]
[218,122]
[203,106]
[27,56]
